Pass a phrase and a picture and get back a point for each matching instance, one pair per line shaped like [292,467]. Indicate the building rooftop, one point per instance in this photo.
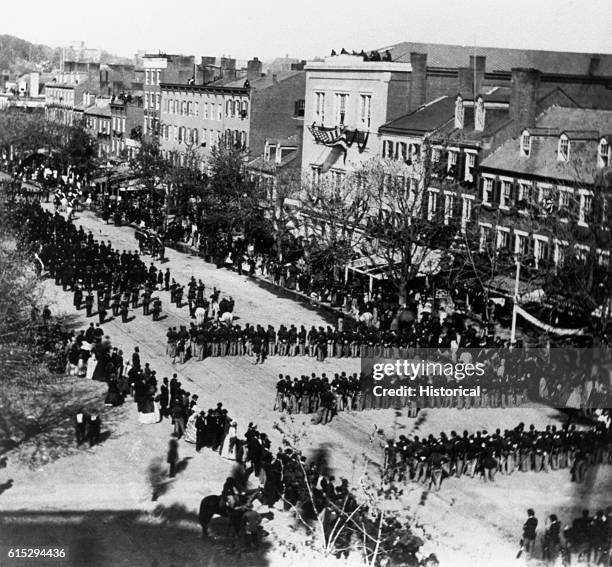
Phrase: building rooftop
[542,160]
[502,59]
[425,119]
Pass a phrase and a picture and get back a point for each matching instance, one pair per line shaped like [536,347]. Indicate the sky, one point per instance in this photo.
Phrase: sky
[308,28]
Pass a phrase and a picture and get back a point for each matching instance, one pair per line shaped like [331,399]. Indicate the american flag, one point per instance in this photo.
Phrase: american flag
[327,137]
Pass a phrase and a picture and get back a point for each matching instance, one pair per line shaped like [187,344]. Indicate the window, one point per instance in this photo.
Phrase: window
[245,109]
[452,163]
[541,250]
[604,153]
[387,149]
[158,101]
[243,139]
[184,108]
[449,206]
[194,136]
[470,164]
[565,196]
[402,151]
[158,78]
[435,155]
[603,258]
[525,192]
[147,77]
[521,246]
[487,191]
[466,211]
[586,204]
[365,112]
[341,107]
[503,238]
[205,111]
[506,194]
[432,205]
[560,252]
[459,113]
[581,251]
[485,237]
[204,136]
[320,108]
[564,148]
[196,108]
[315,176]
[219,112]
[525,144]
[299,107]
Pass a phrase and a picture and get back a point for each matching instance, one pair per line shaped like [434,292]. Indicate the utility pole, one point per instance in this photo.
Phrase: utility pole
[515,304]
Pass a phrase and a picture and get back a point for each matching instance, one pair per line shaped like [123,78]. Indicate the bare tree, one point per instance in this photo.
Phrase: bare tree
[407,235]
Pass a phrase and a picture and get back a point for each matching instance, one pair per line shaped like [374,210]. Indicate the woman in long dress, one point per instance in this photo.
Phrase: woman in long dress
[92,362]
[191,432]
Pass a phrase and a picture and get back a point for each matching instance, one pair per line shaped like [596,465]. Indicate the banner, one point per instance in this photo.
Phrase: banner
[549,328]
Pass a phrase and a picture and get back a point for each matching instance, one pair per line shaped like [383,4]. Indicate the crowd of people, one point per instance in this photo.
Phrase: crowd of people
[483,454]
[587,536]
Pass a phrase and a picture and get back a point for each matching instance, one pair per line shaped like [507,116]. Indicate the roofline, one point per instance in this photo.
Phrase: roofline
[204,88]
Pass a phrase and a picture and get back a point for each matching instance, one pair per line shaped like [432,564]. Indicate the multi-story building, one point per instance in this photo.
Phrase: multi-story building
[458,131]
[243,113]
[127,113]
[162,68]
[546,183]
[198,117]
[280,157]
[64,95]
[98,122]
[347,99]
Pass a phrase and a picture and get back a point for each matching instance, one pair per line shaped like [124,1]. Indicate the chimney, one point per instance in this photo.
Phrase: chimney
[594,65]
[253,69]
[418,80]
[477,67]
[523,98]
[465,86]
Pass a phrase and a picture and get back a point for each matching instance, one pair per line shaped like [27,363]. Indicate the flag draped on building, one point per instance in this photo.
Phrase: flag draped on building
[339,137]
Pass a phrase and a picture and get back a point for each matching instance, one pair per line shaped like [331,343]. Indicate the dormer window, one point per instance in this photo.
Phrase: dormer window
[479,120]
[459,113]
[564,148]
[525,144]
[603,153]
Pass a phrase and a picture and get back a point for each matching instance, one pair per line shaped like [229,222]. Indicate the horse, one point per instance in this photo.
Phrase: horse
[211,506]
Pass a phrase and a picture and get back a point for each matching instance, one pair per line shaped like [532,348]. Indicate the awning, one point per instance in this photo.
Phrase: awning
[430,262]
[504,285]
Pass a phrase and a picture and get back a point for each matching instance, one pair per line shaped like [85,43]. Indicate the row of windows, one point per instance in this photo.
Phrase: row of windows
[561,199]
[152,100]
[536,246]
[118,124]
[210,138]
[102,125]
[152,76]
[234,108]
[342,109]
[564,148]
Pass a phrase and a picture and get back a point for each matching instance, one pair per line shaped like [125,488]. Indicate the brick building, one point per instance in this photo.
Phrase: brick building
[242,112]
[552,168]
[98,122]
[127,114]
[162,68]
